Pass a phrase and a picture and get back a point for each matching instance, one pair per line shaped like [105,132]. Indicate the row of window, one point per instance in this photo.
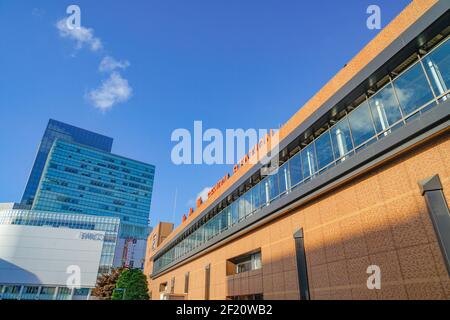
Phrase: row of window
[420,87]
[78,163]
[82,196]
[47,202]
[65,178]
[125,165]
[41,293]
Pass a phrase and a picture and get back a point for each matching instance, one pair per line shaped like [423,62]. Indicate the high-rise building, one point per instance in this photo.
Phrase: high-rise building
[75,172]
[59,130]
[358,205]
[81,179]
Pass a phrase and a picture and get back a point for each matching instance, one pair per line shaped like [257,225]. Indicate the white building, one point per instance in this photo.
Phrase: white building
[46,255]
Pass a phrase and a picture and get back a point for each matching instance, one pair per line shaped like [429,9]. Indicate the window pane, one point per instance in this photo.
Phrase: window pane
[241,208]
[324,150]
[385,108]
[235,211]
[437,65]
[295,170]
[265,191]
[256,261]
[309,166]
[283,178]
[361,124]
[273,186]
[342,141]
[412,89]
[256,196]
[248,202]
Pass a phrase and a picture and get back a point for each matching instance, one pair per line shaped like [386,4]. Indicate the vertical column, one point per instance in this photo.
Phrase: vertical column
[433,193]
[302,271]
[207,281]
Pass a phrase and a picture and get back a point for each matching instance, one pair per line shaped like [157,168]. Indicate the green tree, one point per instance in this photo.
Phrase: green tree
[131,285]
[106,284]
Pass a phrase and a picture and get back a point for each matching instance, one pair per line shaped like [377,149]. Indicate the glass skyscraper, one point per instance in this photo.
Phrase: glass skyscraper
[58,130]
[81,179]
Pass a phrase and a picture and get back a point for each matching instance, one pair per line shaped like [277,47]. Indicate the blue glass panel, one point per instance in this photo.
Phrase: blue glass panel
[235,212]
[248,203]
[295,169]
[342,140]
[361,124]
[437,65]
[309,165]
[324,150]
[274,190]
[412,89]
[265,198]
[283,178]
[385,108]
[256,197]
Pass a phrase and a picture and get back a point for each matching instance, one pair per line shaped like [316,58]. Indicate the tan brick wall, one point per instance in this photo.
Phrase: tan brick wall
[378,218]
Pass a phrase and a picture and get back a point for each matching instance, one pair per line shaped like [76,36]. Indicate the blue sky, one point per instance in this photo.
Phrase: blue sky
[231,64]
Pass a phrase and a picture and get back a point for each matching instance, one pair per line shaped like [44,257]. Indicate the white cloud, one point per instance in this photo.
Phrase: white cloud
[203,194]
[83,36]
[110,64]
[113,90]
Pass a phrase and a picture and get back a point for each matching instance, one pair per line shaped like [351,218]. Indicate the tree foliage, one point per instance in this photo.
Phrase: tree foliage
[131,285]
[106,284]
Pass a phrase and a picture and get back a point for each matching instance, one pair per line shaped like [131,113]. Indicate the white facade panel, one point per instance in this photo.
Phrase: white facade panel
[43,255]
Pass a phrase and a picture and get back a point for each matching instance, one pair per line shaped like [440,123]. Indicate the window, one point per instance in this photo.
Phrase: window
[385,108]
[265,192]
[412,89]
[235,212]
[272,182]
[256,197]
[324,150]
[247,262]
[49,291]
[342,140]
[295,169]
[12,289]
[31,290]
[361,124]
[309,166]
[283,178]
[437,65]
